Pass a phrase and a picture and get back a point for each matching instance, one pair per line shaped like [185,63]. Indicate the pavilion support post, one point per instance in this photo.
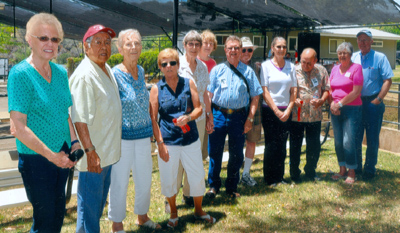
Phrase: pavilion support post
[175,26]
[233,26]
[51,6]
[264,33]
[15,32]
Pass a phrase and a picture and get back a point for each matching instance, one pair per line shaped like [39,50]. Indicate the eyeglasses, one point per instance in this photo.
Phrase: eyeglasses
[191,45]
[248,50]
[363,40]
[233,48]
[342,53]
[280,47]
[46,38]
[171,63]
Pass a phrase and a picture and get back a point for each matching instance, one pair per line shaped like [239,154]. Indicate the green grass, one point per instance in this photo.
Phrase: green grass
[324,206]
[396,77]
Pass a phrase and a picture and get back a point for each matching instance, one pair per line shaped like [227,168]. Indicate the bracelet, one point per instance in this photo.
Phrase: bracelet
[250,119]
[161,142]
[190,118]
[90,149]
[74,141]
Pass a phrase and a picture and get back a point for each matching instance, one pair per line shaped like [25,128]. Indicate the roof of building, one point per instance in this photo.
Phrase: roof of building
[352,32]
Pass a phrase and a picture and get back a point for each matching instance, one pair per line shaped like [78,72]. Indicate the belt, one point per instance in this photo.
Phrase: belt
[369,98]
[228,110]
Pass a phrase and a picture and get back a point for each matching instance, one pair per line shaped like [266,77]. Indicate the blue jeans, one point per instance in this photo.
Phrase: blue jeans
[45,188]
[233,125]
[345,127]
[372,116]
[92,196]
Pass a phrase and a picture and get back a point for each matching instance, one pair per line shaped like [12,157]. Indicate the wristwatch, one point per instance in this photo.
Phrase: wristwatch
[250,119]
[379,99]
[208,113]
[340,105]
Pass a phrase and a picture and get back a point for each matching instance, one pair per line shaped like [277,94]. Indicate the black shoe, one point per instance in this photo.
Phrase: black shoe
[211,193]
[296,179]
[188,201]
[368,176]
[233,194]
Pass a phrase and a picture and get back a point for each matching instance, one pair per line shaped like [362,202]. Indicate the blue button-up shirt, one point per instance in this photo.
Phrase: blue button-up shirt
[229,90]
[376,69]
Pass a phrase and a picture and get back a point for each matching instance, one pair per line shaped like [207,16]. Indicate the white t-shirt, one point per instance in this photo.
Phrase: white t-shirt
[278,81]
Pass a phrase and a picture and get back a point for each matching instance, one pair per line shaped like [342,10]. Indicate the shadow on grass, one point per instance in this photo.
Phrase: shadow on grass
[184,222]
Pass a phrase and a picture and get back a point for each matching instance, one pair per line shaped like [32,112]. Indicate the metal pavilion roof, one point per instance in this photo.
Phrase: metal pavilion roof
[152,17]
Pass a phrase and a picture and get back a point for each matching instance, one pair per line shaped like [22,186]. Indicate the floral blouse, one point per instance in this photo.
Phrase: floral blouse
[309,87]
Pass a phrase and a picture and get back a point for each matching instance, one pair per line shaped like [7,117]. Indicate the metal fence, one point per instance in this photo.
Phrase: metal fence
[398,106]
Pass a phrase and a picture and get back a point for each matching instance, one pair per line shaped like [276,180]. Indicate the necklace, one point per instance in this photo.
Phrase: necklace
[39,70]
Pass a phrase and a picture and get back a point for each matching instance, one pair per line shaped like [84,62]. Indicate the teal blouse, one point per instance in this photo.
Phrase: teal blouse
[45,104]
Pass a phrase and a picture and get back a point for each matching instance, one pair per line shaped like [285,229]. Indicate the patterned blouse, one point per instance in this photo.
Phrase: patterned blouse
[309,88]
[200,78]
[136,122]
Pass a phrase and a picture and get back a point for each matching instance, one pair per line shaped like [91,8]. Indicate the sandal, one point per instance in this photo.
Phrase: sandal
[174,222]
[206,218]
[350,180]
[337,176]
[150,224]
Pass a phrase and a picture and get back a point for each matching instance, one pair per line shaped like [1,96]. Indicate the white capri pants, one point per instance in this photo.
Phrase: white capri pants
[191,159]
[135,156]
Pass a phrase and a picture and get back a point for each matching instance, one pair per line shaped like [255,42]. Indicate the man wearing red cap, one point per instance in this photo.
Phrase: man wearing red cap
[96,113]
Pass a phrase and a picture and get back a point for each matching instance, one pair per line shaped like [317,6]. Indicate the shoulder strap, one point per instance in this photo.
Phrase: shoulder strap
[240,76]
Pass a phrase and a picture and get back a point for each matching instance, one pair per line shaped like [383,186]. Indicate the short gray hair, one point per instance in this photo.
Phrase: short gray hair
[231,38]
[345,46]
[128,31]
[192,35]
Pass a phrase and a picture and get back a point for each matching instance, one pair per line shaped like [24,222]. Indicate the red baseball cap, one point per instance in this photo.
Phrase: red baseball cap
[96,29]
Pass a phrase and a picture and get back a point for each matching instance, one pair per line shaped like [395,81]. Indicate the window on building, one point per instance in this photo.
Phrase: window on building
[221,39]
[377,43]
[259,41]
[333,44]
[292,43]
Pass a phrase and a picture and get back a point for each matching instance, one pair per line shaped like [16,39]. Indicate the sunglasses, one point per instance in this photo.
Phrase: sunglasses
[46,38]
[248,50]
[281,47]
[171,63]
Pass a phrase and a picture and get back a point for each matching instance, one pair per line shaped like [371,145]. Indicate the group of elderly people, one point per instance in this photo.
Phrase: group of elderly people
[192,108]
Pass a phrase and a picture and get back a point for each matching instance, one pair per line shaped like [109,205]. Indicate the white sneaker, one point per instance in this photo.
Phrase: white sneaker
[248,180]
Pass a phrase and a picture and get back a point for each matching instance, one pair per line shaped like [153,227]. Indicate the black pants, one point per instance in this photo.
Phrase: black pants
[45,188]
[313,131]
[276,134]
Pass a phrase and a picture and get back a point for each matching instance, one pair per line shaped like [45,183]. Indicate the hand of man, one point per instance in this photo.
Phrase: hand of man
[317,103]
[375,101]
[297,102]
[210,123]
[93,162]
[247,126]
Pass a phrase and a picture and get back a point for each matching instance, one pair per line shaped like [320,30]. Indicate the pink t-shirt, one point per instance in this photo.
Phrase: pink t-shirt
[342,84]
[210,63]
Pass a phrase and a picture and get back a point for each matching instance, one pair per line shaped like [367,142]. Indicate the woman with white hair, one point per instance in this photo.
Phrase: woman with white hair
[192,68]
[346,84]
[136,136]
[38,102]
